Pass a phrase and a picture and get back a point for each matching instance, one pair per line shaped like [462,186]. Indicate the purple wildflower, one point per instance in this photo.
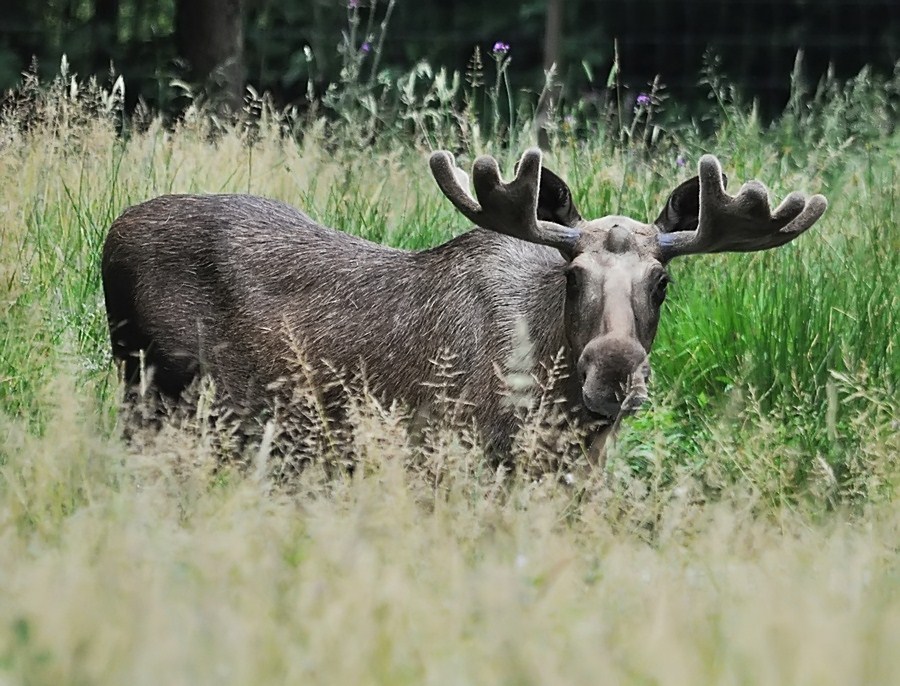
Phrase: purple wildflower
[365,47]
[680,161]
[500,48]
[643,100]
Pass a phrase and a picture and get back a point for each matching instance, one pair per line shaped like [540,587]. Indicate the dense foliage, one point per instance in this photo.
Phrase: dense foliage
[289,45]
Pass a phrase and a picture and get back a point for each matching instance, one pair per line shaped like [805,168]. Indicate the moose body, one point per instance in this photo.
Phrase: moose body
[237,287]
[232,285]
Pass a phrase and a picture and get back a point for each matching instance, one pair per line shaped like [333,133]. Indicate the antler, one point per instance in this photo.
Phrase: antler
[508,208]
[741,223]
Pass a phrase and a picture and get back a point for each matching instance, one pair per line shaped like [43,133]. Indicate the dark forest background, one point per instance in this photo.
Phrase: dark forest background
[285,46]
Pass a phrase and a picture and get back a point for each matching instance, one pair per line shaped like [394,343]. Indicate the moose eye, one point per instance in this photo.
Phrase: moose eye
[659,288]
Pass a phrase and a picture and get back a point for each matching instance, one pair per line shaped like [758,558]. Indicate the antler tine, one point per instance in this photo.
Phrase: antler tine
[508,208]
[454,183]
[741,223]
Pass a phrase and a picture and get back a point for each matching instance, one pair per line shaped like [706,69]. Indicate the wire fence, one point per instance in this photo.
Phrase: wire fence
[757,40]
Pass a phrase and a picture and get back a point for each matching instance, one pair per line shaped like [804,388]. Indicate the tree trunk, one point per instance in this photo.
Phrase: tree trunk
[553,33]
[106,33]
[210,39]
[552,37]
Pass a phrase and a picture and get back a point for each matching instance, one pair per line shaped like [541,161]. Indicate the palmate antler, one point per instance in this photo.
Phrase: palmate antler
[741,223]
[508,208]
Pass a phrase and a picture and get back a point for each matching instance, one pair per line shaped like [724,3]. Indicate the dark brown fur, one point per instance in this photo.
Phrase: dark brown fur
[209,283]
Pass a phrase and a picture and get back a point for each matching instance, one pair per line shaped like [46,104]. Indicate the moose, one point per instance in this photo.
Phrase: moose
[231,286]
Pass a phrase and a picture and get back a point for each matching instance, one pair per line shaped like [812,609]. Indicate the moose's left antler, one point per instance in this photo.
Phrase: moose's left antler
[741,223]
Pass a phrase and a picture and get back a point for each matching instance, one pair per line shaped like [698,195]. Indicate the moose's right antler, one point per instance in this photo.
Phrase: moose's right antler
[509,208]
[742,223]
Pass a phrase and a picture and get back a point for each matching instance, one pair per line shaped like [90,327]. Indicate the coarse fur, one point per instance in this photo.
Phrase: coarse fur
[211,284]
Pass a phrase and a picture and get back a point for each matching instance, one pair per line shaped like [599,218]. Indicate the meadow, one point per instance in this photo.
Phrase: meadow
[744,530]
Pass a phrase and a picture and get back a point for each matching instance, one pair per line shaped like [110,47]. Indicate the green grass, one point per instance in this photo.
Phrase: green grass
[745,528]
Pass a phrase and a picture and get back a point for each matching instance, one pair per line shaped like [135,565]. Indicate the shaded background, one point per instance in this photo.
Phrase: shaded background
[223,45]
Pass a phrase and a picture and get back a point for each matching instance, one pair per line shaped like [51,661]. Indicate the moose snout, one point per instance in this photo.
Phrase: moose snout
[614,373]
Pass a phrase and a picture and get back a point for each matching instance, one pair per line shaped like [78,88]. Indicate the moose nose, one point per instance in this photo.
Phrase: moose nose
[614,373]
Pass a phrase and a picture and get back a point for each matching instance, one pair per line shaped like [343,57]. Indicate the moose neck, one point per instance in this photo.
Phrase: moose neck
[513,281]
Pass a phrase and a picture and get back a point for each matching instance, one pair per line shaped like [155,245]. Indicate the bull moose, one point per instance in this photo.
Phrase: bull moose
[231,285]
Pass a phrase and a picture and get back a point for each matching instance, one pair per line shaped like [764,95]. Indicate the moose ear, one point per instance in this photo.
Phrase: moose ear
[682,210]
[555,202]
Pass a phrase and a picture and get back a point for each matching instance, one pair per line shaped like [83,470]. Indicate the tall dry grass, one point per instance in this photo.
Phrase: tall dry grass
[160,567]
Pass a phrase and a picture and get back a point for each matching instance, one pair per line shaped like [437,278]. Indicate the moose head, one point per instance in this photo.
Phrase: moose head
[616,275]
